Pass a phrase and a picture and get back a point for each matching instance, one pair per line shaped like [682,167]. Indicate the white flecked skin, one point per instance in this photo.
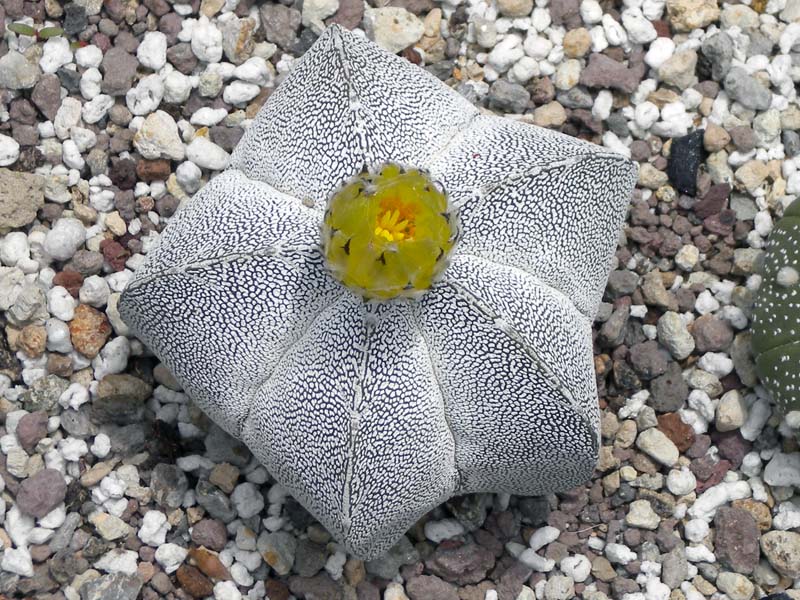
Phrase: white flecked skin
[373,414]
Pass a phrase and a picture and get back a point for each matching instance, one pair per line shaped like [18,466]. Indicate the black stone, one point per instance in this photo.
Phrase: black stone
[70,79]
[686,155]
[74,19]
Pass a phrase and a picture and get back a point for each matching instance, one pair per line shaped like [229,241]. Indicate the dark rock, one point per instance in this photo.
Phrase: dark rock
[75,19]
[41,493]
[711,334]
[669,391]
[169,485]
[210,533]
[319,587]
[605,72]
[215,501]
[565,12]
[621,283]
[510,97]
[280,24]
[32,428]
[713,202]
[309,558]
[717,51]
[747,90]
[649,359]
[182,58]
[736,540]
[122,173]
[46,95]
[425,587]
[743,137]
[462,565]
[791,142]
[226,137]
[732,446]
[119,69]
[349,14]
[686,155]
[116,586]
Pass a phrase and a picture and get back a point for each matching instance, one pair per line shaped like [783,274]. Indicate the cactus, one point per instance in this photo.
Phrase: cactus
[776,316]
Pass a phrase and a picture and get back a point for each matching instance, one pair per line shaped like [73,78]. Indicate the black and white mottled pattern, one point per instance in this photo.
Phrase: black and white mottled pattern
[373,414]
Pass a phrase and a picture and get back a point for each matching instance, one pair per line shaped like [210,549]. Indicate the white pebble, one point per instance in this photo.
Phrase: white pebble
[94,291]
[681,482]
[226,590]
[619,553]
[705,507]
[578,567]
[543,536]
[66,236]
[208,116]
[661,49]
[72,449]
[188,175]
[101,445]
[206,41]
[9,150]
[152,50]
[437,531]
[170,557]
[17,561]
[206,154]
[239,92]
[247,500]
[529,558]
[89,56]
[58,336]
[154,528]
[55,54]
[146,96]
[97,108]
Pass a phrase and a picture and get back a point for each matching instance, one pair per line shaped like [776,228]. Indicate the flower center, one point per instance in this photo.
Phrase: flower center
[387,233]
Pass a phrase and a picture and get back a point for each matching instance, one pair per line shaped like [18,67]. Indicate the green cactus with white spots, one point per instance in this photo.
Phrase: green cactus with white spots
[776,316]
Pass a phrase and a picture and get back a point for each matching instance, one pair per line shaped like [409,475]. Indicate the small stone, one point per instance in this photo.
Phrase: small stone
[17,561]
[712,334]
[170,557]
[641,514]
[681,434]
[32,428]
[515,8]
[678,71]
[278,550]
[736,539]
[462,565]
[193,582]
[152,50]
[209,563]
[224,476]
[115,586]
[782,549]
[316,11]
[206,154]
[119,69]
[752,174]
[158,137]
[605,72]
[21,196]
[109,527]
[169,485]
[669,391]
[718,50]
[40,493]
[508,97]
[309,559]
[17,72]
[736,586]
[210,533]
[731,411]
[281,23]
[746,89]
[89,330]
[237,38]
[393,28]
[674,335]
[658,446]
[577,43]
[423,587]
[686,155]
[559,587]
[686,15]
[551,114]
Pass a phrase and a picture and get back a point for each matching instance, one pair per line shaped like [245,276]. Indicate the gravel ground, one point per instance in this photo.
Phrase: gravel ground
[115,487]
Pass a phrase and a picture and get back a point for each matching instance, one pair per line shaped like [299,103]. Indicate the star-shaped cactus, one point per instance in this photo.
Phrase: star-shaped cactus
[375,401]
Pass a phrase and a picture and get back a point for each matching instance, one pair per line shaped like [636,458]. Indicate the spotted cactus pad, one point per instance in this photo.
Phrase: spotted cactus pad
[776,315]
[373,413]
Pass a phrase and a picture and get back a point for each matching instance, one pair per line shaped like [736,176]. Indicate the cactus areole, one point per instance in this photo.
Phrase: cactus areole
[776,316]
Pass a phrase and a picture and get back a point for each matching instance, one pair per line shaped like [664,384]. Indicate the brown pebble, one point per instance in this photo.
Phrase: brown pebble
[59,364]
[681,434]
[32,340]
[70,280]
[89,330]
[194,582]
[208,562]
[153,170]
[114,253]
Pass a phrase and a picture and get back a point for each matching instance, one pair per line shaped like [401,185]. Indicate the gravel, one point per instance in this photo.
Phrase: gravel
[114,486]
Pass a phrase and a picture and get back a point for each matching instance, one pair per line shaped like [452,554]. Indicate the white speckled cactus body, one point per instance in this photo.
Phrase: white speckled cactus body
[776,316]
[373,413]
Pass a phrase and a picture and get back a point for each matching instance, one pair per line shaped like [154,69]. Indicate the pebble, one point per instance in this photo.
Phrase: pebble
[55,54]
[158,137]
[658,447]
[278,550]
[641,514]
[206,154]
[17,72]
[152,50]
[9,150]
[170,557]
[41,493]
[746,90]
[109,526]
[782,549]
[17,561]
[393,27]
